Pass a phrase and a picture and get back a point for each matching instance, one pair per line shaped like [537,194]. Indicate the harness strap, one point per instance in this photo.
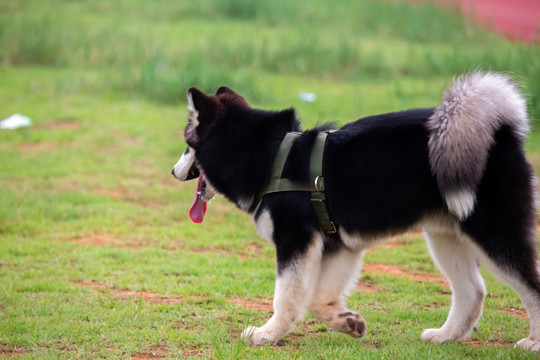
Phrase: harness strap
[325,223]
[316,160]
[318,197]
[281,157]
[316,184]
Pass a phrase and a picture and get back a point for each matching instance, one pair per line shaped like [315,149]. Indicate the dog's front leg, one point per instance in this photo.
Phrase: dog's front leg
[295,283]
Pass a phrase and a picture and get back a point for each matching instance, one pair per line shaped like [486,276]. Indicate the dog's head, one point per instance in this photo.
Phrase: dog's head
[206,112]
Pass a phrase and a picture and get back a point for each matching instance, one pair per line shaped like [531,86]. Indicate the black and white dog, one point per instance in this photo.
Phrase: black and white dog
[458,169]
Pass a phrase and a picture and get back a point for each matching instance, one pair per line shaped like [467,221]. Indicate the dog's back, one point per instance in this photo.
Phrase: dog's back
[378,174]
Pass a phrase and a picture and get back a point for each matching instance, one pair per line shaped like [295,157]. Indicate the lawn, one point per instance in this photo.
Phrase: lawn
[98,258]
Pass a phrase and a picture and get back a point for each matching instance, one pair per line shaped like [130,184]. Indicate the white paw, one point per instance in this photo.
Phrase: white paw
[529,344]
[437,336]
[257,336]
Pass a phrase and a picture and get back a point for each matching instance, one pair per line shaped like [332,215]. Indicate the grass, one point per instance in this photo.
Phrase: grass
[158,51]
[97,256]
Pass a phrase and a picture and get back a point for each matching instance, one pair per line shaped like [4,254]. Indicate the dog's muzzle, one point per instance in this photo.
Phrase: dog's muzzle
[193,173]
[186,169]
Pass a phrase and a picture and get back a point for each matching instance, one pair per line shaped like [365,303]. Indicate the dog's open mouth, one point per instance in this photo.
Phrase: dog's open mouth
[198,208]
[186,169]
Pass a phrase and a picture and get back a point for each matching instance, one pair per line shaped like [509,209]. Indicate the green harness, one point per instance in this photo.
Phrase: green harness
[315,184]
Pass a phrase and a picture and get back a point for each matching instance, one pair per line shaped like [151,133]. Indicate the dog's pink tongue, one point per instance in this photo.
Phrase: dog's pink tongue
[198,208]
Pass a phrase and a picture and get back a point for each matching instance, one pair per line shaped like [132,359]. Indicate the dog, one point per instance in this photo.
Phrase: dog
[459,170]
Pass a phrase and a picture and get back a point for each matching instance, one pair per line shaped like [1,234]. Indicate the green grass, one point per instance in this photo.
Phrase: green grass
[104,82]
[159,50]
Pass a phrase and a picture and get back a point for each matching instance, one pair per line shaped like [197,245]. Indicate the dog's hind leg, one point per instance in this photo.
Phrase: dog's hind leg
[458,258]
[503,226]
[528,288]
[340,270]
[510,253]
[509,250]
[297,275]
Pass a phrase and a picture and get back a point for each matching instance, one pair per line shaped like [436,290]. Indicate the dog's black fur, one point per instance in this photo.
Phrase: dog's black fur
[371,167]
[379,181]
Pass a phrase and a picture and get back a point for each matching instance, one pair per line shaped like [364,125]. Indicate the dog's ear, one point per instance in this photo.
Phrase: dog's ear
[285,119]
[202,108]
[224,90]
[226,93]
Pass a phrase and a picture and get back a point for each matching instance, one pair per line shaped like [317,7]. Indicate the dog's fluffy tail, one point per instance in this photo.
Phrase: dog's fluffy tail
[462,130]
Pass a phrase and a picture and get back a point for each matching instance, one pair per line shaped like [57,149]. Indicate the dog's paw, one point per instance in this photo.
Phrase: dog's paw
[353,324]
[256,336]
[528,344]
[437,336]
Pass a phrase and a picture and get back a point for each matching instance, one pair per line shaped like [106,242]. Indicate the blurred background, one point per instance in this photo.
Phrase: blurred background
[98,258]
[270,50]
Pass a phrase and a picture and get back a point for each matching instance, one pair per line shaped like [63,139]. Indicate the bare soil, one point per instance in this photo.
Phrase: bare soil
[479,343]
[518,312]
[59,124]
[415,275]
[366,286]
[38,146]
[148,296]
[155,352]
[13,353]
[264,305]
[106,240]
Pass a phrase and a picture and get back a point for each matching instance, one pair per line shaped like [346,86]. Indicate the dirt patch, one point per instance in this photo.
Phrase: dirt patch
[518,312]
[264,305]
[128,194]
[211,250]
[94,240]
[394,243]
[13,353]
[154,298]
[256,248]
[67,185]
[147,356]
[479,343]
[253,251]
[378,269]
[366,286]
[38,146]
[194,353]
[308,328]
[59,124]
[154,352]
[148,296]
[105,240]
[399,240]
[433,305]
[113,193]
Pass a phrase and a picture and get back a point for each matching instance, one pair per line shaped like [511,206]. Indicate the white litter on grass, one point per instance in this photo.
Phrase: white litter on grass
[15,121]
[307,97]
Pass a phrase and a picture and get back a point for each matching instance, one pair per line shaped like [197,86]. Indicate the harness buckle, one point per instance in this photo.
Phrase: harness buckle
[332,228]
[325,223]
[319,184]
